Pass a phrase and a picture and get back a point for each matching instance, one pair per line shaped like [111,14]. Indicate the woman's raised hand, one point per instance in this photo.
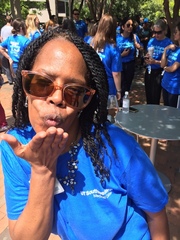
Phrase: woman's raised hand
[43,149]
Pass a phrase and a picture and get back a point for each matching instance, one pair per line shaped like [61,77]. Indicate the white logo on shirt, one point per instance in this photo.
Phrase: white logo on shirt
[97,194]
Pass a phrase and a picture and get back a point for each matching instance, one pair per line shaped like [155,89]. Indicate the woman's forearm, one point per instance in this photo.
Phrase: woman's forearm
[158,225]
[35,222]
[164,59]
[117,80]
[4,53]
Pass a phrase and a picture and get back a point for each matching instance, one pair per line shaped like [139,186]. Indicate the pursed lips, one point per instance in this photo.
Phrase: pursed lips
[52,120]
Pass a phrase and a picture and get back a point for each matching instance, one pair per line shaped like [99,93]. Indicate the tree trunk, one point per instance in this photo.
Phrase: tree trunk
[92,5]
[15,8]
[172,21]
[81,5]
[71,3]
[48,8]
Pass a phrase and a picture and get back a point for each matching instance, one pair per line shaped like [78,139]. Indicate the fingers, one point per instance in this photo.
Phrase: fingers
[43,149]
[53,137]
[17,147]
[12,141]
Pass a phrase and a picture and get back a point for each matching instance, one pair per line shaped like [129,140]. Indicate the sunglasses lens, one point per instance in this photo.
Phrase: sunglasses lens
[128,25]
[77,96]
[37,85]
[158,32]
[74,95]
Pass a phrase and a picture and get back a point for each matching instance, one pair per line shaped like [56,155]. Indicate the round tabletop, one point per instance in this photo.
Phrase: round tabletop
[154,121]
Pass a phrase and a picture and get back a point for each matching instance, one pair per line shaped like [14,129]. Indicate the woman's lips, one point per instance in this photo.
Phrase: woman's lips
[52,121]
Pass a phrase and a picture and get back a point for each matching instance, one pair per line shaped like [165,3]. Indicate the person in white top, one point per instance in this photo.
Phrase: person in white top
[5,33]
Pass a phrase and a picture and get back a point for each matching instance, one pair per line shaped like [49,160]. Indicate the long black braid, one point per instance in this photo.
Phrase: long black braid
[94,116]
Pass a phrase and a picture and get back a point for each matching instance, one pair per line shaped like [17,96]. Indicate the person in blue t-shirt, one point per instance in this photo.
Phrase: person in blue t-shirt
[104,43]
[67,170]
[170,62]
[153,74]
[81,26]
[92,29]
[13,47]
[128,43]
[32,24]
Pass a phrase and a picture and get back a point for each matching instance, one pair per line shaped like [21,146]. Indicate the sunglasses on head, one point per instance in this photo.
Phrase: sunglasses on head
[128,25]
[41,86]
[157,32]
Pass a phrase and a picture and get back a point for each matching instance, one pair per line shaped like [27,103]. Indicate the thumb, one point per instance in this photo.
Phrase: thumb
[12,141]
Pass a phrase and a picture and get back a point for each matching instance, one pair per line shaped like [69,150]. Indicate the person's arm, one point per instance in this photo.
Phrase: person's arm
[173,67]
[158,225]
[164,56]
[117,81]
[148,60]
[6,55]
[137,42]
[125,52]
[35,222]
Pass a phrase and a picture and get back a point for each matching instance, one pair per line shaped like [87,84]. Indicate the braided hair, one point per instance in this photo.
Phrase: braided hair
[93,116]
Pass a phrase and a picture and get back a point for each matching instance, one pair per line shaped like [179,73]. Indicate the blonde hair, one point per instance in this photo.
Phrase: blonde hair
[30,24]
[49,25]
[106,32]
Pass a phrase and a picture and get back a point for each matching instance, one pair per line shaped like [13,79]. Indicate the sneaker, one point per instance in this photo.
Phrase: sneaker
[4,128]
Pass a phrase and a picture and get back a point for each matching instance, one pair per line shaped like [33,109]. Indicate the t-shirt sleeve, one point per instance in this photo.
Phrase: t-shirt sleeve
[143,184]
[36,35]
[116,65]
[16,181]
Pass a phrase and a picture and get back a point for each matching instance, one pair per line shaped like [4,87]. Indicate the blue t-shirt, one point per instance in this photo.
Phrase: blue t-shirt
[15,45]
[118,30]
[111,58]
[88,39]
[171,80]
[124,43]
[159,46]
[112,211]
[34,35]
[81,28]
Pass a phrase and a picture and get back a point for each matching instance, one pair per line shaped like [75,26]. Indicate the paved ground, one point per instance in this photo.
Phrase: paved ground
[167,161]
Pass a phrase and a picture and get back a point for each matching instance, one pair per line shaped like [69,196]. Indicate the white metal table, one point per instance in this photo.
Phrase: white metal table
[155,122]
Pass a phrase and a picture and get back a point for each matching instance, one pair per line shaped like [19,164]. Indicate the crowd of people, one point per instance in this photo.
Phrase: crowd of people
[67,169]
[134,38]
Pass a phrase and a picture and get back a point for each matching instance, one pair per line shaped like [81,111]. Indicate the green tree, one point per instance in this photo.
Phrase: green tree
[172,16]
[15,8]
[18,8]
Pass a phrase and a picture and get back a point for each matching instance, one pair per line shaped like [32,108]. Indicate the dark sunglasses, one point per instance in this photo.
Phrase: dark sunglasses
[38,85]
[157,32]
[76,14]
[128,25]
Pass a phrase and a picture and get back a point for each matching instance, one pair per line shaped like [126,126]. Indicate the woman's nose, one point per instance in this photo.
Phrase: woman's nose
[57,97]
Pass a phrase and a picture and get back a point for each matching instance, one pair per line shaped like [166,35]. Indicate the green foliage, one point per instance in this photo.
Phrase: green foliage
[5,8]
[153,9]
